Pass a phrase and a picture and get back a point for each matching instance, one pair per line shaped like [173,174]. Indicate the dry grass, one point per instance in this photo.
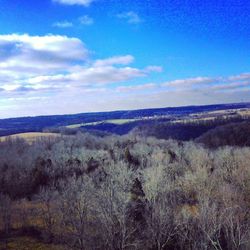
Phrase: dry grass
[30,137]
[244,112]
[28,243]
[25,214]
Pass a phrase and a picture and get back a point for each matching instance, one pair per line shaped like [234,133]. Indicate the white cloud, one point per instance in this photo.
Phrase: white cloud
[89,76]
[83,20]
[244,76]
[197,81]
[228,86]
[215,84]
[86,99]
[74,2]
[57,63]
[63,24]
[132,88]
[100,72]
[122,60]
[131,17]
[86,20]
[27,56]
[58,72]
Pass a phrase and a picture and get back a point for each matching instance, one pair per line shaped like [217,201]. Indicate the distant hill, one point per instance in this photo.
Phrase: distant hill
[178,131]
[183,131]
[234,134]
[39,123]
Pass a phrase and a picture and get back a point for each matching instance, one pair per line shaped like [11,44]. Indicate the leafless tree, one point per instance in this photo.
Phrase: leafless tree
[236,228]
[112,199]
[160,219]
[76,212]
[5,216]
[48,199]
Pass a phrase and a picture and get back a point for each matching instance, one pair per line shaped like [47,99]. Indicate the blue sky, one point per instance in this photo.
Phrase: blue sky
[70,56]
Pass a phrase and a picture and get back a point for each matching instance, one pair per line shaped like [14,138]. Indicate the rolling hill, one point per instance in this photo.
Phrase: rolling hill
[104,119]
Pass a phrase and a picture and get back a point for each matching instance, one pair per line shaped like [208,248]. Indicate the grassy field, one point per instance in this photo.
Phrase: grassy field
[115,121]
[30,137]
[83,124]
[121,121]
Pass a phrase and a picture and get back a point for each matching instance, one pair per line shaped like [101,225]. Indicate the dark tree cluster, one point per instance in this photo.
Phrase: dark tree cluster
[235,134]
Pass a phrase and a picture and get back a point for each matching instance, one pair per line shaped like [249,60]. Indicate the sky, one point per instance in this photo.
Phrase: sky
[73,56]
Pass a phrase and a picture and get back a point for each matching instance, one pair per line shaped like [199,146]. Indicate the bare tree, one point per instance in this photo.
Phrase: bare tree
[48,210]
[160,220]
[236,228]
[112,200]
[76,212]
[5,216]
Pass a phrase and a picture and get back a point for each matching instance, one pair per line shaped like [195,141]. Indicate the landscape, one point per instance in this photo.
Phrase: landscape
[173,178]
[124,125]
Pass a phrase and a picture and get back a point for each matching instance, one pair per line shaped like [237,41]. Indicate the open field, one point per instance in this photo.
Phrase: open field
[113,121]
[121,121]
[244,112]
[30,137]
[82,124]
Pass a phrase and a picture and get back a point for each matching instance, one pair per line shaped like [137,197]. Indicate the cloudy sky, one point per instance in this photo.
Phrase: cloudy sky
[71,56]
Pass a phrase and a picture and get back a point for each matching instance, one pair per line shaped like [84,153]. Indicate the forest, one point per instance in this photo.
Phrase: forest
[125,125]
[124,192]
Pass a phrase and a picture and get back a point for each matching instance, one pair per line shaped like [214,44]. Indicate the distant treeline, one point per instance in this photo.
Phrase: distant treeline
[233,134]
[191,130]
[39,123]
